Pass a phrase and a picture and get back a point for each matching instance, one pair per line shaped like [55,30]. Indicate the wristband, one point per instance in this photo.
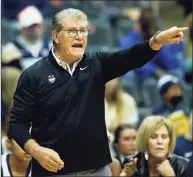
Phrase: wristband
[155,36]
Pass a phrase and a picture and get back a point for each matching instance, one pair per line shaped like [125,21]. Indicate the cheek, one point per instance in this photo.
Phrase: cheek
[85,41]
[123,144]
[133,142]
[151,144]
[167,143]
[69,41]
[64,41]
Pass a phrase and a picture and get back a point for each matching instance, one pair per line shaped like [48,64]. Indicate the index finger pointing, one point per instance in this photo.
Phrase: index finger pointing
[183,29]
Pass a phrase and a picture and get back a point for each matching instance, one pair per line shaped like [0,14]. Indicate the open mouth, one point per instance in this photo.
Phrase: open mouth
[78,46]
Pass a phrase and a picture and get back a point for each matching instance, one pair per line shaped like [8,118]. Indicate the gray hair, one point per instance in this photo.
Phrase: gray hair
[70,12]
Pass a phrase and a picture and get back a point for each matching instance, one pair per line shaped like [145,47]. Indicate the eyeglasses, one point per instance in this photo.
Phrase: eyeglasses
[72,32]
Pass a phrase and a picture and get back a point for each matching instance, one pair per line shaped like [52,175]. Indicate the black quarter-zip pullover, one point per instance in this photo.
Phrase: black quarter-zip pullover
[67,112]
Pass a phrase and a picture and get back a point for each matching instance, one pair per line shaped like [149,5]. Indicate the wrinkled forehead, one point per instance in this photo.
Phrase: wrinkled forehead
[74,22]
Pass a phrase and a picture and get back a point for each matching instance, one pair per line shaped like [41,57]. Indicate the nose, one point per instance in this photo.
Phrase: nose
[159,140]
[133,143]
[78,35]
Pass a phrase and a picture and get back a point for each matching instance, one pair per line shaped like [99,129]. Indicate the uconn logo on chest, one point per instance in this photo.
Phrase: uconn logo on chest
[51,78]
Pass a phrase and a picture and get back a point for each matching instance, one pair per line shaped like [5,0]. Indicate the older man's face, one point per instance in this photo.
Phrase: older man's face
[73,46]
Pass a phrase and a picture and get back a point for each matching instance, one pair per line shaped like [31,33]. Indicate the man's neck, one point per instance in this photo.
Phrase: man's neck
[63,58]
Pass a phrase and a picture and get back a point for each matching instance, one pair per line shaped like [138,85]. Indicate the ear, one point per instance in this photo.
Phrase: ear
[8,144]
[55,36]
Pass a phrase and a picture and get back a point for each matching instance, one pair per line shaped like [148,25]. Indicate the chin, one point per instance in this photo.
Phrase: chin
[131,152]
[160,157]
[78,55]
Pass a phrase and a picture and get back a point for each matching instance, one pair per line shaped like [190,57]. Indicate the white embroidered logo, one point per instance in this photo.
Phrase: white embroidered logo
[84,68]
[51,79]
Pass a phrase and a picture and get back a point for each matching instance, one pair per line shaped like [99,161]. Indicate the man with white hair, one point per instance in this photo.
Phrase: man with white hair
[30,43]
[27,48]
[62,96]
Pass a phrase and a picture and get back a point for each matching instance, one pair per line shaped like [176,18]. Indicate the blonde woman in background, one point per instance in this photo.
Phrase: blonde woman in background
[155,143]
[120,107]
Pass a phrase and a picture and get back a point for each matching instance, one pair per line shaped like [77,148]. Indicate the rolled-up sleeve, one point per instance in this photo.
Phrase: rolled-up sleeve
[24,109]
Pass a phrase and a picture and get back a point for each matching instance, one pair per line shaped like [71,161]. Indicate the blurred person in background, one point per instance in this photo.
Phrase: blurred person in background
[30,42]
[171,95]
[155,143]
[26,49]
[184,143]
[17,162]
[62,97]
[124,142]
[120,107]
[141,80]
[123,146]
[172,103]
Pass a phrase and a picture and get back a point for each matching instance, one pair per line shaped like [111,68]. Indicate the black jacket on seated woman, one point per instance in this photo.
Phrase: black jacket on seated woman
[155,143]
[179,164]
